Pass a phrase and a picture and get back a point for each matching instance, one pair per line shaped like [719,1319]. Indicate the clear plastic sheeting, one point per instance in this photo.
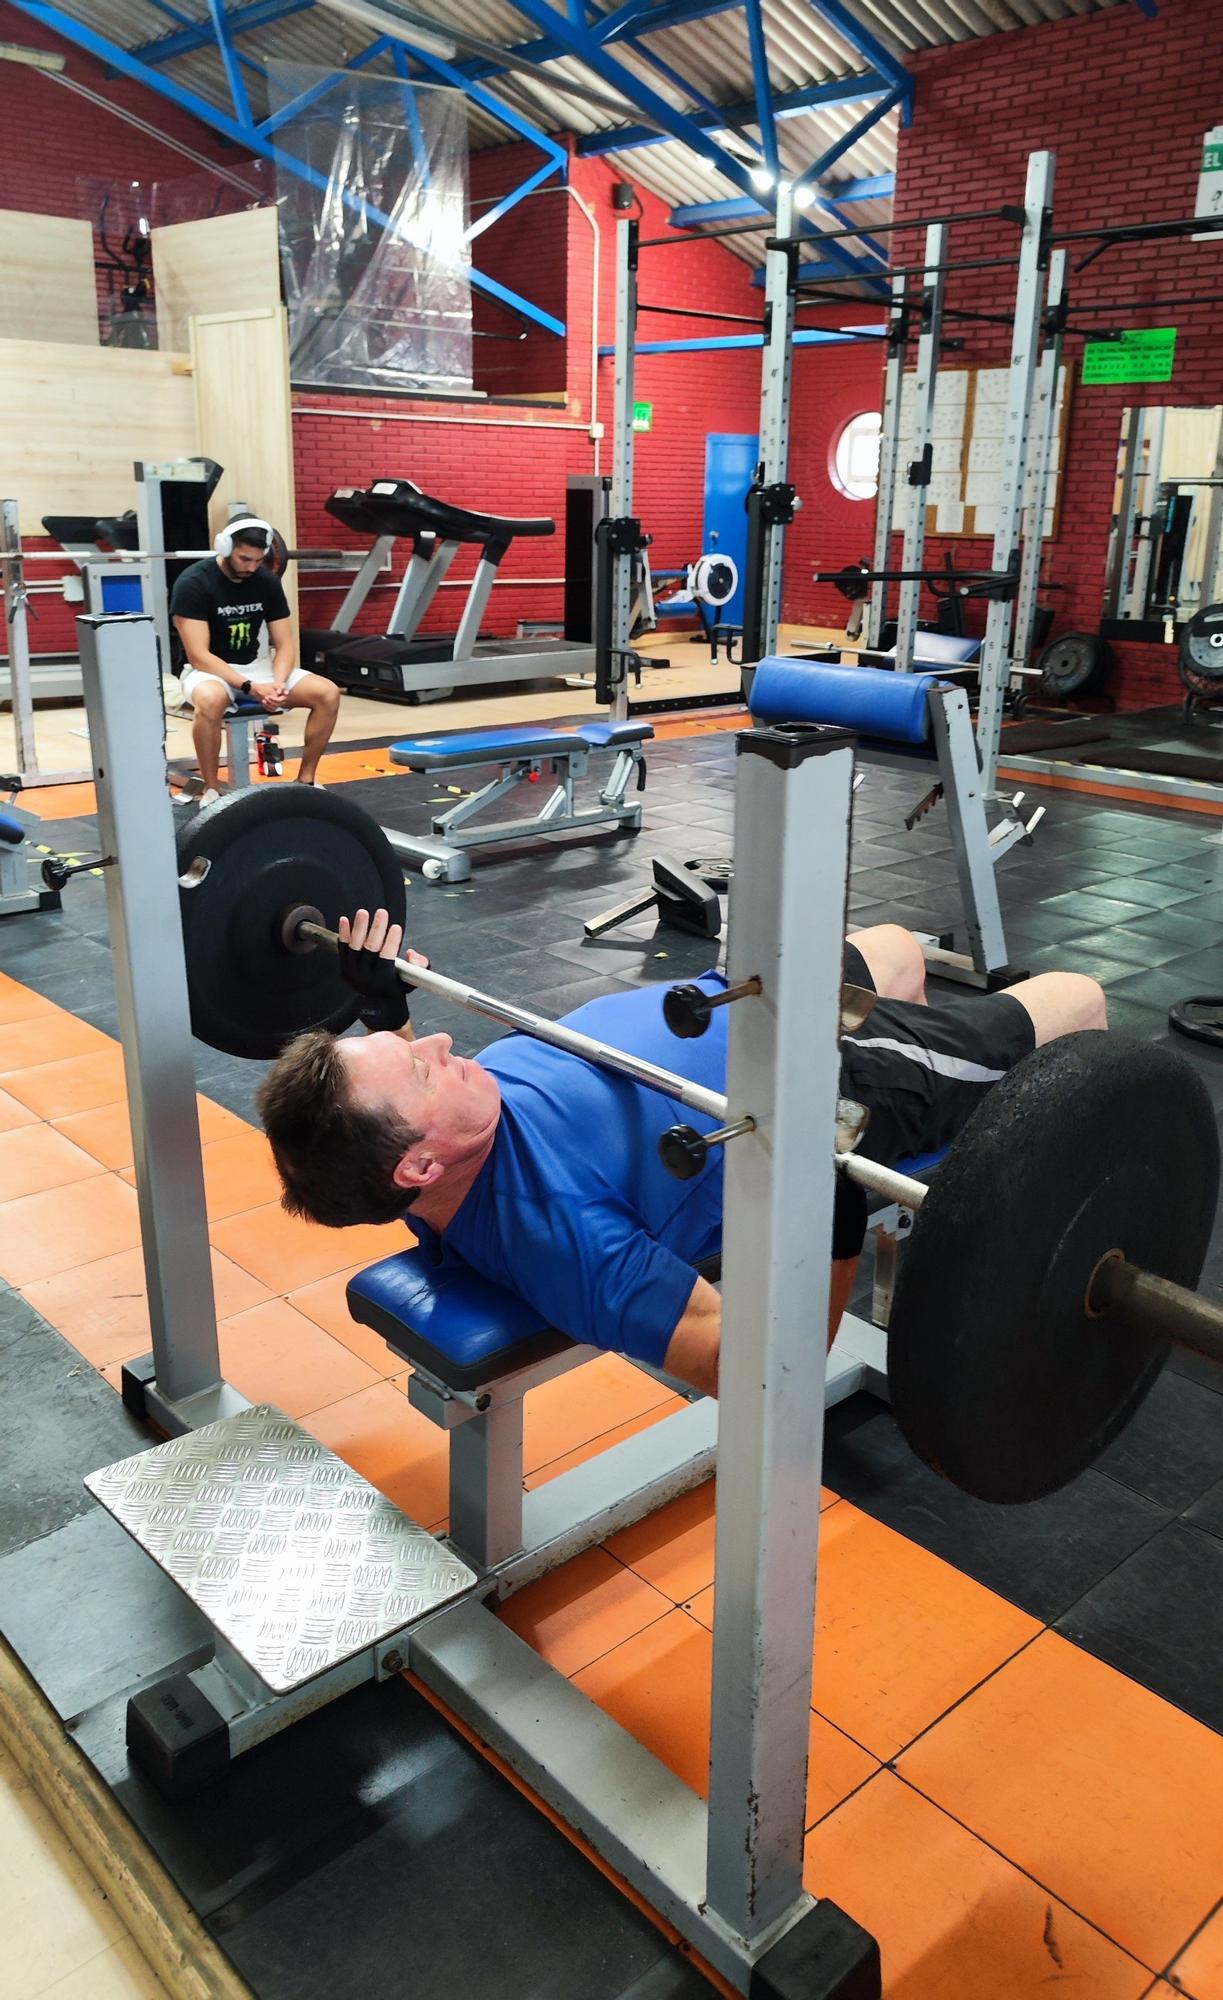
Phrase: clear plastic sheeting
[373,214]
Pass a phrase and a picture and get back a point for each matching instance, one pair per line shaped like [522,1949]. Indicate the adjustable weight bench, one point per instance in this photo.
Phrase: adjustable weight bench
[21,884]
[924,717]
[520,755]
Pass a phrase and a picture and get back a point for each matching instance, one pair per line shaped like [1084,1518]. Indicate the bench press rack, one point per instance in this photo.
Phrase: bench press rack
[246,1512]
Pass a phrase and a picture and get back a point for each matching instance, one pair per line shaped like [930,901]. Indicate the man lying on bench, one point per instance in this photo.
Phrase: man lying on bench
[541,1171]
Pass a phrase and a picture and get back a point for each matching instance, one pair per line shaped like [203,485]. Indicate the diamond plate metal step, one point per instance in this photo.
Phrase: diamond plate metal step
[293,1558]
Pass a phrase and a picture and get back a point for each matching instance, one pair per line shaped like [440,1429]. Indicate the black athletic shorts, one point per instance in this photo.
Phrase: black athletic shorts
[921,1072]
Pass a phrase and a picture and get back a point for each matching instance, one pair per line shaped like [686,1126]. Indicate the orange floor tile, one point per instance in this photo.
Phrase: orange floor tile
[107,1131]
[389,1443]
[604,1442]
[36,1157]
[1199,1970]
[584,1610]
[1109,1796]
[325,1303]
[571,1409]
[673,1549]
[657,1686]
[284,1252]
[14,1114]
[48,1038]
[238,1174]
[42,1234]
[53,1089]
[954,1920]
[21,1003]
[78,801]
[101,1308]
[276,1355]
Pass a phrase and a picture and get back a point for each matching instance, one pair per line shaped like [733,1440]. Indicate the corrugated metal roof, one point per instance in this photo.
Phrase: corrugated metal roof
[712,53]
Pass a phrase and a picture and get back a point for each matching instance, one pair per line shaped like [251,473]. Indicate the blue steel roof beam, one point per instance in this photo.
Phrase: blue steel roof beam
[556,159]
[871,243]
[671,14]
[869,48]
[741,208]
[229,62]
[82,37]
[199,34]
[420,151]
[789,104]
[760,79]
[592,55]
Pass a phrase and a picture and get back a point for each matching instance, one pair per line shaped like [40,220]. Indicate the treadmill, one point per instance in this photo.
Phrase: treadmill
[406,667]
[348,506]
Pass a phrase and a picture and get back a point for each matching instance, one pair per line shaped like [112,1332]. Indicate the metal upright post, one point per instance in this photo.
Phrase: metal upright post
[792,800]
[1025,341]
[620,504]
[1045,425]
[934,281]
[889,442]
[774,419]
[136,828]
[17,643]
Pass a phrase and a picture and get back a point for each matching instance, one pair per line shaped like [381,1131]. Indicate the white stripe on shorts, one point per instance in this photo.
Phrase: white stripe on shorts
[956,1067]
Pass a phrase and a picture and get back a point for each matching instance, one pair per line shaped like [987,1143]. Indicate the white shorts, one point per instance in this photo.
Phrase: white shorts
[259,674]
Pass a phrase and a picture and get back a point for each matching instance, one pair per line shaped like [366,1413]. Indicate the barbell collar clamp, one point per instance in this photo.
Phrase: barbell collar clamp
[686,1009]
[684,1151]
[694,1095]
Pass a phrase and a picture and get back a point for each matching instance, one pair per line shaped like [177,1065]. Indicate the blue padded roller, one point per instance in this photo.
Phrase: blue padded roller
[11,829]
[449,1320]
[483,746]
[893,707]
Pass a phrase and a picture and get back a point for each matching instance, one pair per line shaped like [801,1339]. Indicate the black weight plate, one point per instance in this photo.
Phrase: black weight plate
[269,849]
[1069,664]
[1201,650]
[1201,1018]
[999,1378]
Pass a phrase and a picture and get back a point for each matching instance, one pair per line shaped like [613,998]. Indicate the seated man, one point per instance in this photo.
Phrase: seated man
[232,616]
[541,1171]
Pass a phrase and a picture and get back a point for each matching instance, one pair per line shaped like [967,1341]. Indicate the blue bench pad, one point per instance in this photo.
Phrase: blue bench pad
[11,829]
[492,746]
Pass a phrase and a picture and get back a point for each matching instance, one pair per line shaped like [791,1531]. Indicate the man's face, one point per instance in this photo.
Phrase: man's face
[243,559]
[450,1100]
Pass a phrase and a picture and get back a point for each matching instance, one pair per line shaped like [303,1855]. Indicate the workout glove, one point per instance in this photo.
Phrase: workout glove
[383,993]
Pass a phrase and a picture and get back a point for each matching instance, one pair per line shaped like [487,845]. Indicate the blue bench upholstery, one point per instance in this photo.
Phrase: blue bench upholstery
[892,707]
[457,749]
[460,1328]
[11,829]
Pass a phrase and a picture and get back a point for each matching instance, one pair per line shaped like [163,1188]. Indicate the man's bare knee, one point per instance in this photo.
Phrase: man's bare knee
[1062,1003]
[895,961]
[210,704]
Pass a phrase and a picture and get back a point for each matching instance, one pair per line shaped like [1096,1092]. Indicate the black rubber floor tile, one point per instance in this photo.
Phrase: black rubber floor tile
[1178,979]
[1042,1557]
[91,1616]
[1093,911]
[64,966]
[1135,1019]
[58,1420]
[1148,891]
[1042,925]
[1120,943]
[1171,1451]
[1073,957]
[1207,1513]
[672,1977]
[1173,926]
[1159,1618]
[378,1911]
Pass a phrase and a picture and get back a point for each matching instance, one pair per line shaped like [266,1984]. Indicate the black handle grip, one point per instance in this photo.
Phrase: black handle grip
[683,1152]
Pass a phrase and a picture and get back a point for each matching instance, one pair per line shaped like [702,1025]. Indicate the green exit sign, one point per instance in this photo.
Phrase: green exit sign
[1144,354]
[643,416]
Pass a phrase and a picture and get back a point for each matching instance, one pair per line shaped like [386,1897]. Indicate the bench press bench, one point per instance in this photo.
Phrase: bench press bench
[21,881]
[476,1349]
[520,753]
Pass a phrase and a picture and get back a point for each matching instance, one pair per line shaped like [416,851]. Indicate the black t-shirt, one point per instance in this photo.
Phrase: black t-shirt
[236,612]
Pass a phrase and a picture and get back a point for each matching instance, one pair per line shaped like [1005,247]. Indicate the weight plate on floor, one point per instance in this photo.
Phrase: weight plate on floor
[1070,664]
[269,849]
[1201,650]
[999,1377]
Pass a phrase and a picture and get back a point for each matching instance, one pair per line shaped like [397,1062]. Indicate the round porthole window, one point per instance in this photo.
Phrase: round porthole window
[855,458]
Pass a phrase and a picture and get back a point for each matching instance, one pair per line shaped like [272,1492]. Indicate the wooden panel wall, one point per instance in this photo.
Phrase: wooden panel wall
[49,291]
[74,421]
[244,416]
[225,263]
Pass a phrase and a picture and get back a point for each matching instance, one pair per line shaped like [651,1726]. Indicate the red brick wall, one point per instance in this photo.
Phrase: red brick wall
[831,385]
[1124,102]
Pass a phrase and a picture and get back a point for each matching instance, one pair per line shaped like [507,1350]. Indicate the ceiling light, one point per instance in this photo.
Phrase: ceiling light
[804,197]
[33,58]
[761,179]
[387,22]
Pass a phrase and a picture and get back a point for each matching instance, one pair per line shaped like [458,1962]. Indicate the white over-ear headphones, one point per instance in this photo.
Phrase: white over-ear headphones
[224,542]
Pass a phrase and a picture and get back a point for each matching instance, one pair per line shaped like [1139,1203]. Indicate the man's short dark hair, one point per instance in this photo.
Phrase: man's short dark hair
[336,1161]
[252,538]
